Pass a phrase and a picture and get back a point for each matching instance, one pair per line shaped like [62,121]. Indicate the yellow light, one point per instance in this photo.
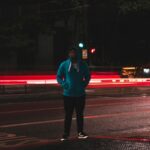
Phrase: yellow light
[129,68]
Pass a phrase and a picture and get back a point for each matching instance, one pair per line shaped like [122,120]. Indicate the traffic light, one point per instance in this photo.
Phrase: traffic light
[92,51]
[81,45]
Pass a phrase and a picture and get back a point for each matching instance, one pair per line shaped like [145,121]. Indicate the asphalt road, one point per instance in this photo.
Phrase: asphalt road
[110,116]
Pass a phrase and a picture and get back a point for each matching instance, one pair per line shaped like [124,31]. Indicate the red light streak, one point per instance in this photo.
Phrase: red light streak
[97,80]
[93,50]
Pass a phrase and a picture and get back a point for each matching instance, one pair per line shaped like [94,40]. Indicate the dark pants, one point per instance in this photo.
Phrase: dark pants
[71,103]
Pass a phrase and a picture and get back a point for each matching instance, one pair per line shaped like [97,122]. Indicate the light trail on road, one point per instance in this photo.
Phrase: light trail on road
[96,80]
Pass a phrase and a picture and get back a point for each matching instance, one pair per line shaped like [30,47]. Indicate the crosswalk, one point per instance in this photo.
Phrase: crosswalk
[14,142]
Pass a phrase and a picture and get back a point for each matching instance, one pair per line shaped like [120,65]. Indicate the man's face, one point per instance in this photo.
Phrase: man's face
[73,55]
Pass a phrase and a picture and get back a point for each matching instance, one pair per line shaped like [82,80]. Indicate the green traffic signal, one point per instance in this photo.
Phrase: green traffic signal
[81,45]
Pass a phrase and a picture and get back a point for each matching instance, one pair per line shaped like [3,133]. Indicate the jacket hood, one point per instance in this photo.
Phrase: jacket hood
[79,59]
[70,65]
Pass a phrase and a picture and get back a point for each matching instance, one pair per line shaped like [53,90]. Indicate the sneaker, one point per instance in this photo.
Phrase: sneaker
[64,138]
[82,135]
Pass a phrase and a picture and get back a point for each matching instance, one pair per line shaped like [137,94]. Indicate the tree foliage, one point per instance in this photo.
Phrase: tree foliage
[134,5]
[125,6]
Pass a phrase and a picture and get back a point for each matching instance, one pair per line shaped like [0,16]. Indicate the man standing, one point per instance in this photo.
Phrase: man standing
[73,75]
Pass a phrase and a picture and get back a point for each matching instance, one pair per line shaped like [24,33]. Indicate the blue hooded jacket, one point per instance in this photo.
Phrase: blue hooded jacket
[73,81]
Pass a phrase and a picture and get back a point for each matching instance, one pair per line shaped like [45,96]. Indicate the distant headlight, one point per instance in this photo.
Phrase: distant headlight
[146,70]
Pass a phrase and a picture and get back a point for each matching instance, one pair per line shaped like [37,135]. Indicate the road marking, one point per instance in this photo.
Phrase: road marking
[31,123]
[10,141]
[31,110]
[86,117]
[2,135]
[61,108]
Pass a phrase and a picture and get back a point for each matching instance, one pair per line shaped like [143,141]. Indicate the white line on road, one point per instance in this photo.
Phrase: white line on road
[61,108]
[31,110]
[31,123]
[12,141]
[87,105]
[86,117]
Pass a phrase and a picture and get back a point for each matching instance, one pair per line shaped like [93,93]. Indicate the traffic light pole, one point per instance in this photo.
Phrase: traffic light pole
[80,31]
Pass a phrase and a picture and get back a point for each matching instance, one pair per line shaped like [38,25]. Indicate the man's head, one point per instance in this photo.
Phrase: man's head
[73,54]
